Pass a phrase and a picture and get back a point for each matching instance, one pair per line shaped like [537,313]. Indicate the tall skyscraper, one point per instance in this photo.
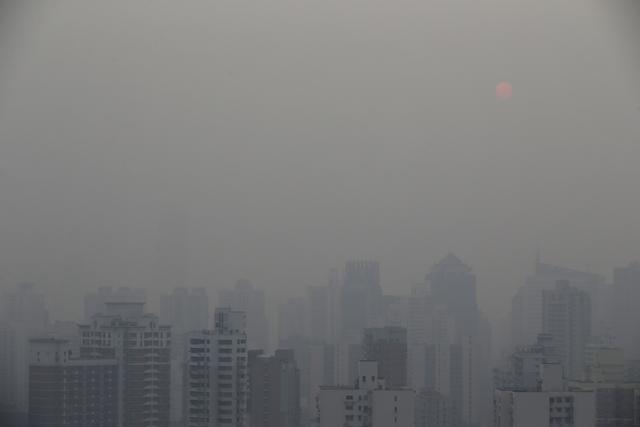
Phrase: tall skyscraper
[566,316]
[246,298]
[526,310]
[215,386]
[275,390]
[361,298]
[451,342]
[626,283]
[141,347]
[453,285]
[185,310]
[387,346]
[65,390]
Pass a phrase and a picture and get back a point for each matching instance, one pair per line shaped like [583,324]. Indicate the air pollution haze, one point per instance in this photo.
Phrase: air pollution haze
[160,144]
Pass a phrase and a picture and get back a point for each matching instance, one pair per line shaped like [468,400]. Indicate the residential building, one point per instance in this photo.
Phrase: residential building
[65,390]
[141,347]
[274,390]
[216,383]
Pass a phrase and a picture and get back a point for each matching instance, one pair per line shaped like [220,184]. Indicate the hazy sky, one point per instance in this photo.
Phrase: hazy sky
[142,141]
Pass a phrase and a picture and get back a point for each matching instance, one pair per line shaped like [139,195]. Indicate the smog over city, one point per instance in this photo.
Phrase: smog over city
[320,213]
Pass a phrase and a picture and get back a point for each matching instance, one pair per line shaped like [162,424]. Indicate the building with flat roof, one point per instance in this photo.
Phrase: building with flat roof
[67,391]
[368,403]
[142,350]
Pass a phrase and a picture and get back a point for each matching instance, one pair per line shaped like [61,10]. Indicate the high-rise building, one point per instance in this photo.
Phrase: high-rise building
[368,403]
[453,285]
[65,390]
[566,316]
[215,385]
[24,317]
[250,300]
[275,390]
[526,310]
[387,346]
[185,310]
[626,284]
[141,347]
[361,298]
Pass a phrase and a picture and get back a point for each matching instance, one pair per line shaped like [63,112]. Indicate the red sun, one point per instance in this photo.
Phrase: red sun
[504,91]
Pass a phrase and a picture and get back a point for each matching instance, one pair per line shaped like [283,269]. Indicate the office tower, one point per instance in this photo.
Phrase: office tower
[451,342]
[361,298]
[215,386]
[67,391]
[551,405]
[387,346]
[566,315]
[616,404]
[24,317]
[318,298]
[626,284]
[292,320]
[453,285]
[142,350]
[275,390]
[185,310]
[246,298]
[368,403]
[95,302]
[526,311]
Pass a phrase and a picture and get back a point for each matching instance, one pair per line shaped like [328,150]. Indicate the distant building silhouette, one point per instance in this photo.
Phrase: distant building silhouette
[566,316]
[96,302]
[626,284]
[250,300]
[361,298]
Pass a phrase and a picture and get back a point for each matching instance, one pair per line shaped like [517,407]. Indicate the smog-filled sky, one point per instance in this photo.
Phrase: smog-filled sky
[145,143]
